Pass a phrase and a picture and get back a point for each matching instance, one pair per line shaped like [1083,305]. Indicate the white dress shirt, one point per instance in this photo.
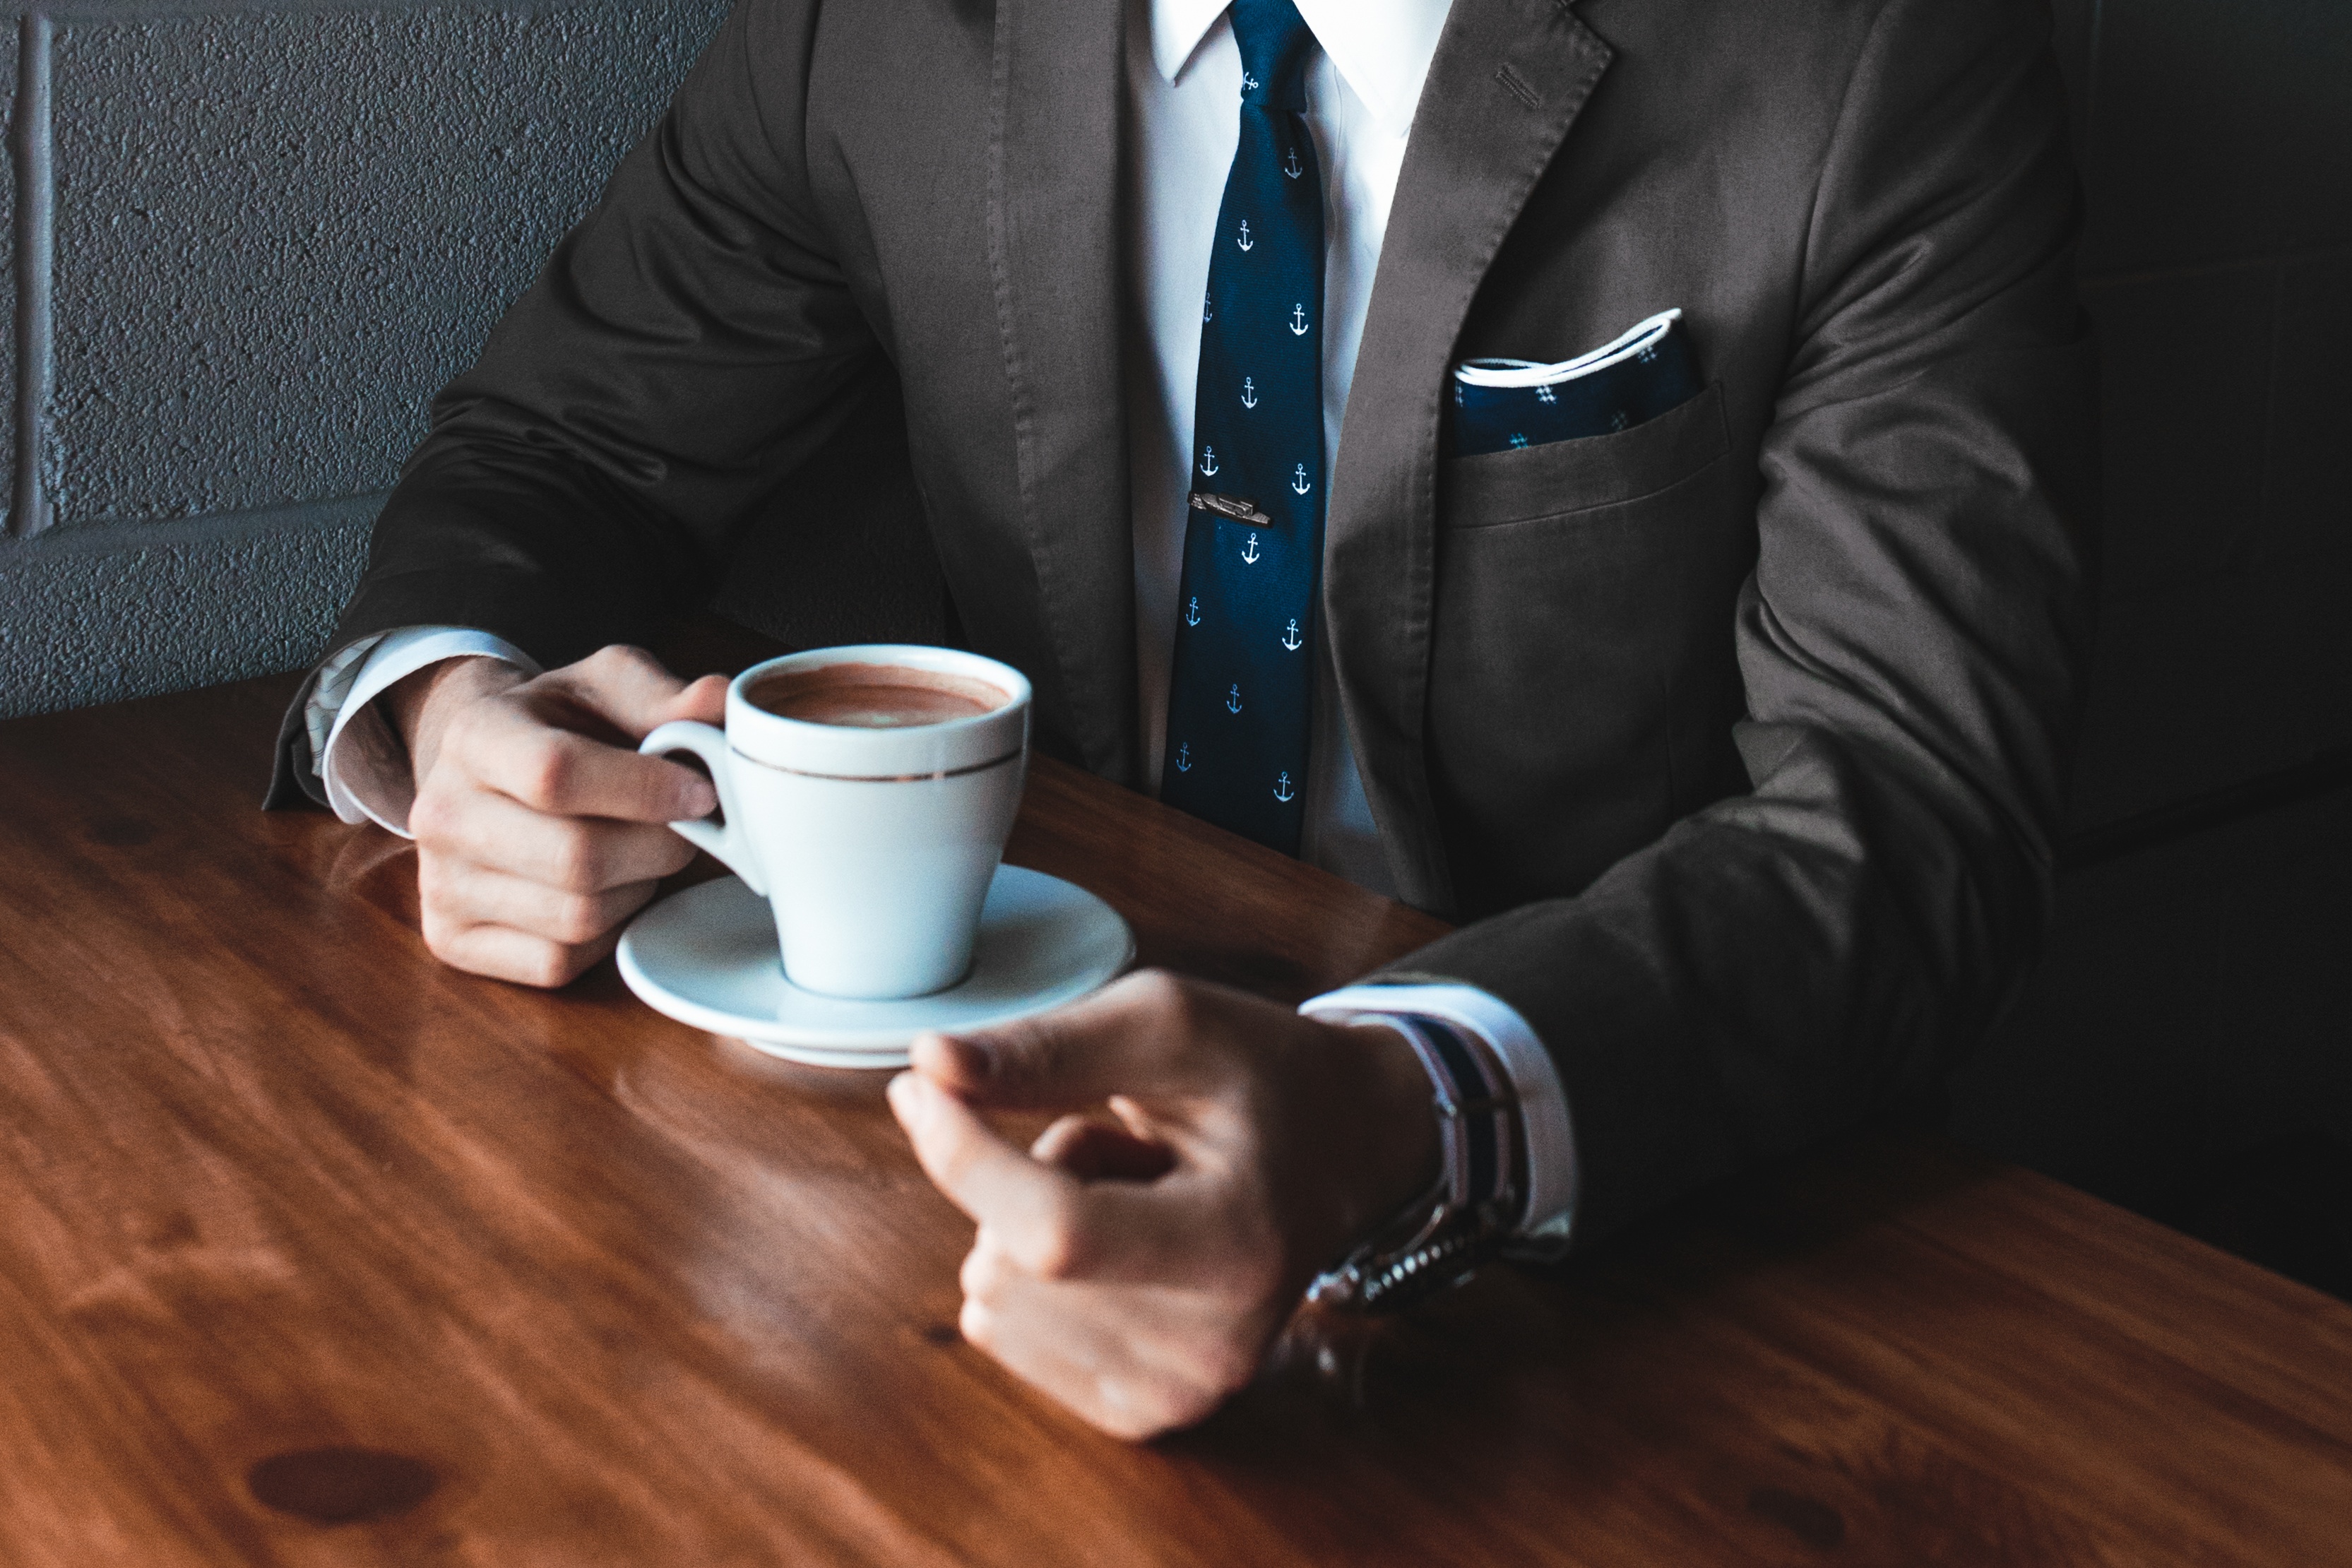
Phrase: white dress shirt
[1184,76]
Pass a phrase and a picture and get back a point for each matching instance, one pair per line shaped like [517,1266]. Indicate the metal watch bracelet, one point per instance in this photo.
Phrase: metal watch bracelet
[1461,1221]
[1454,1244]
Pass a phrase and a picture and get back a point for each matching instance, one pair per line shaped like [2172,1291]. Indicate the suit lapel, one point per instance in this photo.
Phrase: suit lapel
[1053,248]
[1508,81]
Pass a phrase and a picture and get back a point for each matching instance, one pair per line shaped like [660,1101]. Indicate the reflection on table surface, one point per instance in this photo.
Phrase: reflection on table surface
[317,1252]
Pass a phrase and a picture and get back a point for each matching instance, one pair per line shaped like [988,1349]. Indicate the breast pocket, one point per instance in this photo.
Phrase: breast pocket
[1559,478]
[1583,684]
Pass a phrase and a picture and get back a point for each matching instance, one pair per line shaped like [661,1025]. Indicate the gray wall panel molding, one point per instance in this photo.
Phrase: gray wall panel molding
[227,529]
[126,613]
[27,118]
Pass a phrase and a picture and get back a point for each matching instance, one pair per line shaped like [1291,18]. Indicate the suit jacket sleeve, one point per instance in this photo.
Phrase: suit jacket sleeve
[688,348]
[1785,963]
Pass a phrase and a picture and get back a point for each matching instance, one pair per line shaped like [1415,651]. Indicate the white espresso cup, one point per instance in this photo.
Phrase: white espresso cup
[872,837]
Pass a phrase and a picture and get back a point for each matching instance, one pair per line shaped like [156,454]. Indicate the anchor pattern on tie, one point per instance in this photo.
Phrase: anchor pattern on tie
[1253,561]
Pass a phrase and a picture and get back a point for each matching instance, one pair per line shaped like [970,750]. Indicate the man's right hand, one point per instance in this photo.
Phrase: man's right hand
[538,827]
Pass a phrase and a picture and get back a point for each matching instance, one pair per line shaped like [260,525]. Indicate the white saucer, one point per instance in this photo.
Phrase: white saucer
[708,957]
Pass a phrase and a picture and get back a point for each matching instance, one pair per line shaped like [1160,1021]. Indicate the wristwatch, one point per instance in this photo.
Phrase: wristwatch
[1467,1214]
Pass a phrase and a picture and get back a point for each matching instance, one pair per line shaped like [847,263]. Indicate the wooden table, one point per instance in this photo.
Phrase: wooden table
[314,1252]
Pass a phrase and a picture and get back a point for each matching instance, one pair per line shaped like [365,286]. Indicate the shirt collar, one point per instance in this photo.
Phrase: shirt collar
[1382,48]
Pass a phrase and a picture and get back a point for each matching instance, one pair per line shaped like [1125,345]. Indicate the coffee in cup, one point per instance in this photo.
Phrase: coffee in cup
[872,696]
[866,793]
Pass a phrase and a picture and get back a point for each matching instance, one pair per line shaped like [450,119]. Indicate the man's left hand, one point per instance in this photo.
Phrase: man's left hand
[1219,1151]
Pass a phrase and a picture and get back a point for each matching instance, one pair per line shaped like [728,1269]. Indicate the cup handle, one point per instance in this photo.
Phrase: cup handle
[727,840]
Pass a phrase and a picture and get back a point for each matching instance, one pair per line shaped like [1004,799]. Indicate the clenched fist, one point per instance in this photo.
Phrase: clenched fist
[1219,1151]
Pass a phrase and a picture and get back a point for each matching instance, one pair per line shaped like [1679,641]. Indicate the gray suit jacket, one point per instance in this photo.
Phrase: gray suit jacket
[1736,740]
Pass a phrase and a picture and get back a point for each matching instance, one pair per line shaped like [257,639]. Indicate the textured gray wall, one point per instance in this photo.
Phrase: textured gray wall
[268,235]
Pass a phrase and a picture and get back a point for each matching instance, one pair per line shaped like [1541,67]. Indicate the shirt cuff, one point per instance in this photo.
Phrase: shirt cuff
[362,763]
[1553,1177]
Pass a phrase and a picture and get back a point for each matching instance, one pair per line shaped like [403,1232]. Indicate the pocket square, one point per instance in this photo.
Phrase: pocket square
[1499,403]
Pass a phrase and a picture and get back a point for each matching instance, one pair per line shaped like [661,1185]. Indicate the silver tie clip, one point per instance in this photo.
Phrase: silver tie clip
[1234,507]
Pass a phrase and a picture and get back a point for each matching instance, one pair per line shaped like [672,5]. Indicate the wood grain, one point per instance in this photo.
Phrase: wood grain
[314,1252]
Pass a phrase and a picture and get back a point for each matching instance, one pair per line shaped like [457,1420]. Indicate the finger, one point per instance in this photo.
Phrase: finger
[479,828]
[1179,1329]
[1098,1353]
[1078,1370]
[978,1172]
[631,690]
[1095,1151]
[513,749]
[1147,1035]
[476,896]
[1054,1226]
[501,952]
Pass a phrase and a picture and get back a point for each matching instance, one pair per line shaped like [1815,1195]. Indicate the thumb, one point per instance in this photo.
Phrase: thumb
[1149,1037]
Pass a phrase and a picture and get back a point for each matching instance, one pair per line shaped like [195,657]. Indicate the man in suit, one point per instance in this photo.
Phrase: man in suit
[1734,739]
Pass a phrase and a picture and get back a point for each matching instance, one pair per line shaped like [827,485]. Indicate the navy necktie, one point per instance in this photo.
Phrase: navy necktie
[1242,682]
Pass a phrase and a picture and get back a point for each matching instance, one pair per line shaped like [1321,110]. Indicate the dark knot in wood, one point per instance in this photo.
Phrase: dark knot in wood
[340,1486]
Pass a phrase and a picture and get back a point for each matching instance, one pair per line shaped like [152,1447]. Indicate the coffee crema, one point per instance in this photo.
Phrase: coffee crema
[873,696]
